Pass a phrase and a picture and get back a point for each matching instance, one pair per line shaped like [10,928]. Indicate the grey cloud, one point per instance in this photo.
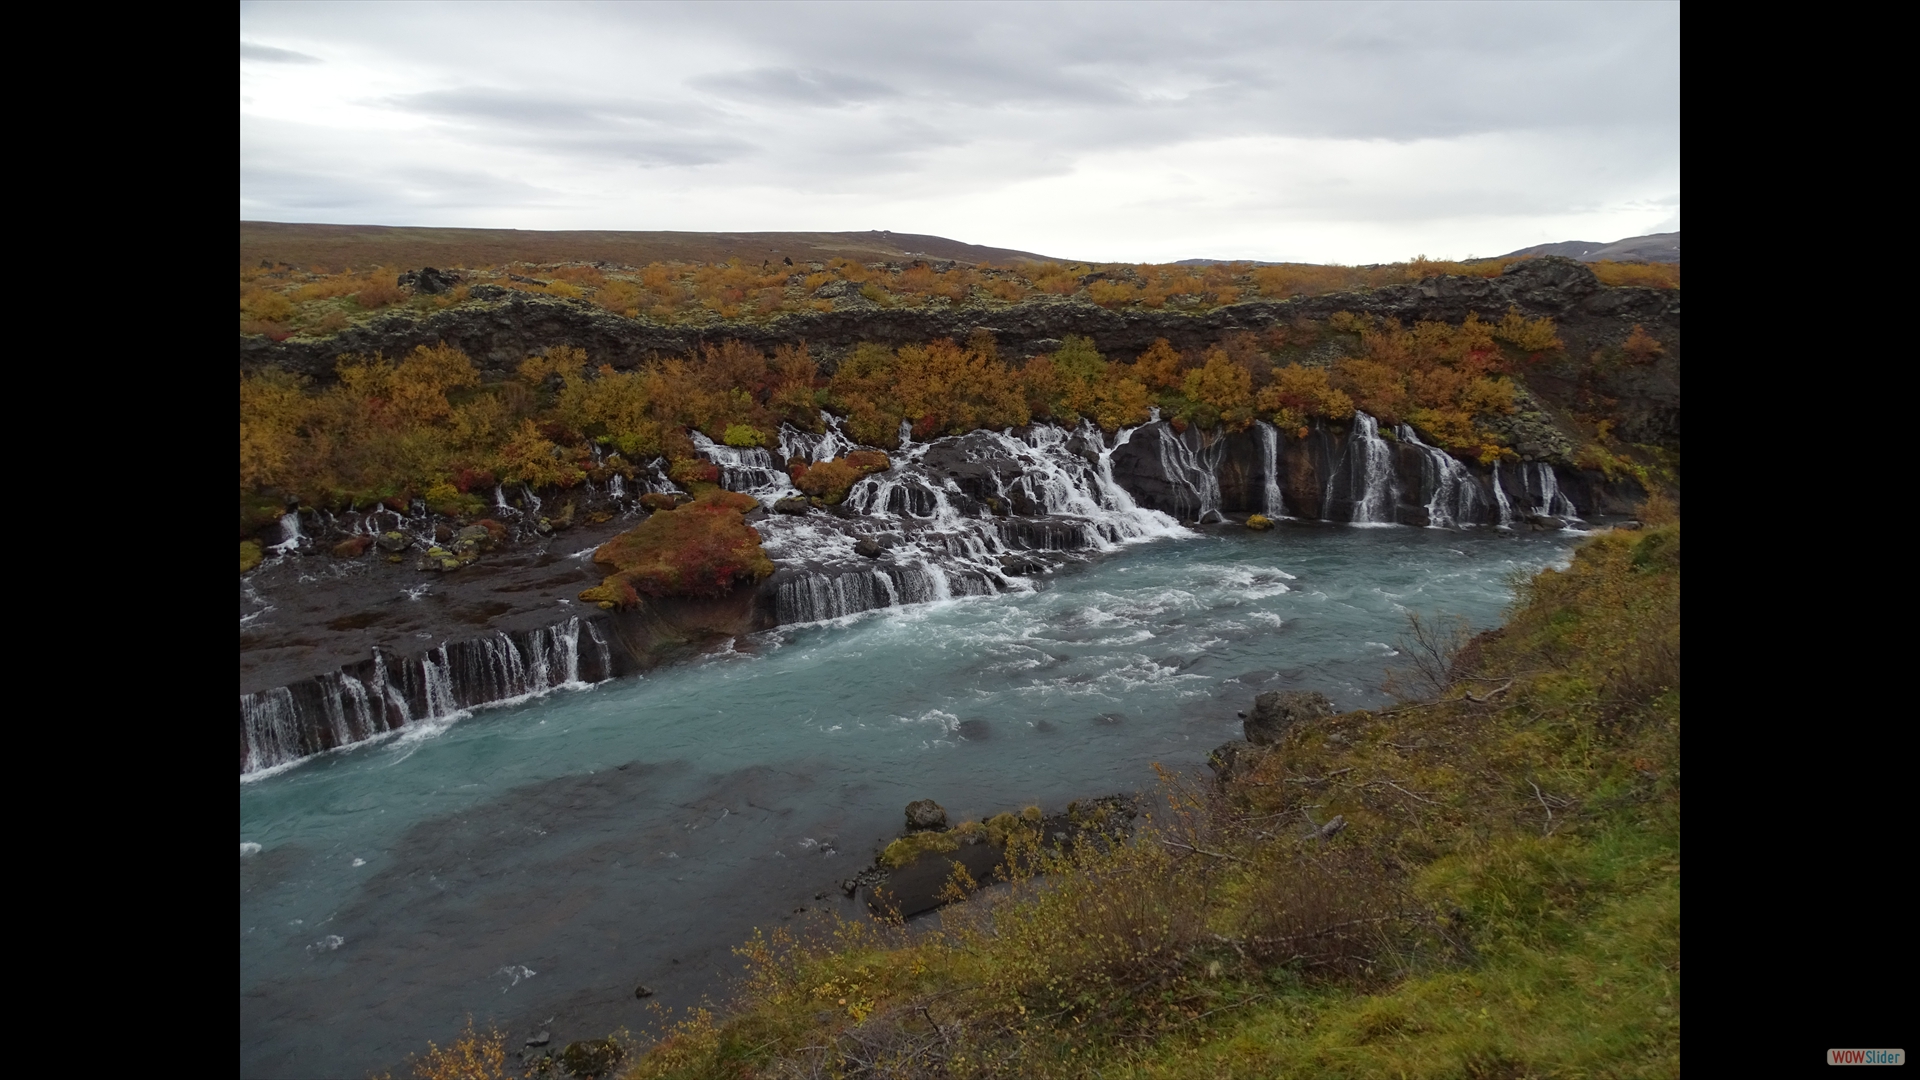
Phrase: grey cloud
[642,132]
[270,55]
[810,87]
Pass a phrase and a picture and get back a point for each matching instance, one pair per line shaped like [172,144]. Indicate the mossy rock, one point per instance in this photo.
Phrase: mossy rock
[251,555]
[1259,523]
[352,547]
[591,1058]
[913,845]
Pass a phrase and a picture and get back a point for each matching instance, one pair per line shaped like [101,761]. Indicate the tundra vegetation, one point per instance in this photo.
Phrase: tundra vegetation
[279,300]
[1482,882]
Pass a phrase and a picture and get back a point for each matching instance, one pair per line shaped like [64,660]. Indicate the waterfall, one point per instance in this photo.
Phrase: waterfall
[290,530]
[1366,467]
[1455,499]
[748,469]
[1541,489]
[1197,472]
[807,446]
[942,537]
[382,695]
[1271,504]
[1504,507]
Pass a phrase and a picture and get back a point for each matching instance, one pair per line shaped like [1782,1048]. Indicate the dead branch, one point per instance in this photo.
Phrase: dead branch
[1403,791]
[1490,695]
[1203,851]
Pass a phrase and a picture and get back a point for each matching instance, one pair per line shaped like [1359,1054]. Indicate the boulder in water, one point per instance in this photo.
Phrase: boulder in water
[1546,521]
[925,815]
[868,547]
[394,542]
[1277,711]
[792,504]
[1259,523]
[352,547]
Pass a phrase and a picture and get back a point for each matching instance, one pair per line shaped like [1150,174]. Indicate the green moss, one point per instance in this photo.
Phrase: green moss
[250,555]
[913,845]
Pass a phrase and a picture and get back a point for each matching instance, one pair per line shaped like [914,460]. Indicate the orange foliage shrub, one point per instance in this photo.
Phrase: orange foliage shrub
[1222,389]
[1643,275]
[380,292]
[702,549]
[1642,347]
[1159,367]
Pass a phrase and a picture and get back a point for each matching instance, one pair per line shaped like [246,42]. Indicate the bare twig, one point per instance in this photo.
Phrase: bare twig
[1491,694]
[1547,829]
[1203,851]
[1319,779]
[1404,791]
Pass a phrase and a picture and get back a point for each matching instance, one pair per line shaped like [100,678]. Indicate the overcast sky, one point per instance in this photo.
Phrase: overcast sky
[1347,133]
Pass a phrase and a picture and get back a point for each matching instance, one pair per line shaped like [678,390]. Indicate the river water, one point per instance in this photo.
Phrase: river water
[536,861]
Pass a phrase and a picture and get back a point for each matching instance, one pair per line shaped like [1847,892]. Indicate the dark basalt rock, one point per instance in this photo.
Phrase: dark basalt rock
[925,815]
[866,546]
[429,281]
[1275,712]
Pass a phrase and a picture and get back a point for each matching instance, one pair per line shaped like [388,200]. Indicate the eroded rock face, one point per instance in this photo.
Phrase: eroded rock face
[1277,711]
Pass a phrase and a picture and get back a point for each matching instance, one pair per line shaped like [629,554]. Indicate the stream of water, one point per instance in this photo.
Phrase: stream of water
[538,860]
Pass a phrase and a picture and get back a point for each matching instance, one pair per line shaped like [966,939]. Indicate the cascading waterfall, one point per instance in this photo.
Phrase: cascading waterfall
[1500,501]
[749,469]
[1366,467]
[1271,504]
[290,530]
[1197,472]
[379,696]
[1455,499]
[940,540]
[1542,491]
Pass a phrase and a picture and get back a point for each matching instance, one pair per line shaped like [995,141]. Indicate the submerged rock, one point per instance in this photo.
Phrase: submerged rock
[1277,711]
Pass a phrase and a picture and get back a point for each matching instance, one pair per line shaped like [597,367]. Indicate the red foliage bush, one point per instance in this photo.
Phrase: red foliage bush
[702,549]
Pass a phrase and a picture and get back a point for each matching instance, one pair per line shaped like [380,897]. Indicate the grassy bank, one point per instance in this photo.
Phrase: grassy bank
[1482,882]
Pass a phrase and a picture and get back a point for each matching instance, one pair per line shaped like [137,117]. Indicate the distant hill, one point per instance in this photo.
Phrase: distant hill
[1654,247]
[338,246]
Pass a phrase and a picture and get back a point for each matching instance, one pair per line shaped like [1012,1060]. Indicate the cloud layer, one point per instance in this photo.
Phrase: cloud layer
[1351,133]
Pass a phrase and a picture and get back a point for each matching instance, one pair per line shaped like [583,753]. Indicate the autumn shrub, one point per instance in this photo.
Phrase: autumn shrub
[380,292]
[704,548]
[1642,275]
[830,480]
